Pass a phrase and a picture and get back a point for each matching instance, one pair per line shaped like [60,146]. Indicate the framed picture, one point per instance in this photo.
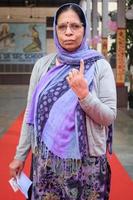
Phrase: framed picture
[22,42]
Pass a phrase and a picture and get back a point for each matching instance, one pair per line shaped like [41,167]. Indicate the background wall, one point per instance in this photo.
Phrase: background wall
[29,14]
[19,73]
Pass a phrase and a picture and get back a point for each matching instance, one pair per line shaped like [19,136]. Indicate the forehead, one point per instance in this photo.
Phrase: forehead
[68,16]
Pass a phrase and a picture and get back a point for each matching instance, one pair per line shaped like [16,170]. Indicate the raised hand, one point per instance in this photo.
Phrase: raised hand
[77,81]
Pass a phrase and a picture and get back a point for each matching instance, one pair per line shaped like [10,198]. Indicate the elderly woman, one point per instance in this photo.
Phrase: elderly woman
[71,103]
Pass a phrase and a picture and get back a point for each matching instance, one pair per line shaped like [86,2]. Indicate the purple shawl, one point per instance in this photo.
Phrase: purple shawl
[54,111]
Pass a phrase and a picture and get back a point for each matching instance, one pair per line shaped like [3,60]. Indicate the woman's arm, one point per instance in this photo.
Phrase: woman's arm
[23,148]
[24,144]
[25,141]
[102,108]
[39,69]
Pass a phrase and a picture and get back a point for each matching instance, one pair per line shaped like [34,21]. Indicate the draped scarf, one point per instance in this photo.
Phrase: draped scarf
[55,113]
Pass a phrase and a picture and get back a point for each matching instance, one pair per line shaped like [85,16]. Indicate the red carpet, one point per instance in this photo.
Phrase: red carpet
[121,187]
[7,149]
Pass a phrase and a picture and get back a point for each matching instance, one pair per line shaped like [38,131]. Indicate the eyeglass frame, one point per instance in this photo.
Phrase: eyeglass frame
[66,25]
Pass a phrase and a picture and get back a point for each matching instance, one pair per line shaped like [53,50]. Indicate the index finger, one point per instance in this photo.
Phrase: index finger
[81,69]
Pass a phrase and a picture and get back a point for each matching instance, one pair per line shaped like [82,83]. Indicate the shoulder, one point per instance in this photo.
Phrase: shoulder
[41,66]
[103,66]
[45,59]
[44,62]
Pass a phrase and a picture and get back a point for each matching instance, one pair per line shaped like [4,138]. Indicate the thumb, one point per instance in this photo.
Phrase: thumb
[81,69]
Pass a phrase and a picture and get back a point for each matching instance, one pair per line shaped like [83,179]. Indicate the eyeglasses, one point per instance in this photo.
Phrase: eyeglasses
[73,27]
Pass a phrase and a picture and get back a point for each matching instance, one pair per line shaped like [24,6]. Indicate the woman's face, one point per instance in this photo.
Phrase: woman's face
[70,30]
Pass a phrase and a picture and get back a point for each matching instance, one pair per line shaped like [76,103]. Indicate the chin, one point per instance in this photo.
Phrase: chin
[70,49]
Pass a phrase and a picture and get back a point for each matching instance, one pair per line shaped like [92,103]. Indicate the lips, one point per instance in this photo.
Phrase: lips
[68,41]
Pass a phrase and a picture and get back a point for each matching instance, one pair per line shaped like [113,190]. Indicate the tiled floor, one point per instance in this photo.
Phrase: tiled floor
[13,101]
[123,139]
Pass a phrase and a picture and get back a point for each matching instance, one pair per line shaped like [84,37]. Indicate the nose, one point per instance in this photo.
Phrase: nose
[68,31]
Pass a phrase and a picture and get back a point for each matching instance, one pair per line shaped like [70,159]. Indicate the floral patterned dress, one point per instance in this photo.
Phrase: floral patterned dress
[92,182]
